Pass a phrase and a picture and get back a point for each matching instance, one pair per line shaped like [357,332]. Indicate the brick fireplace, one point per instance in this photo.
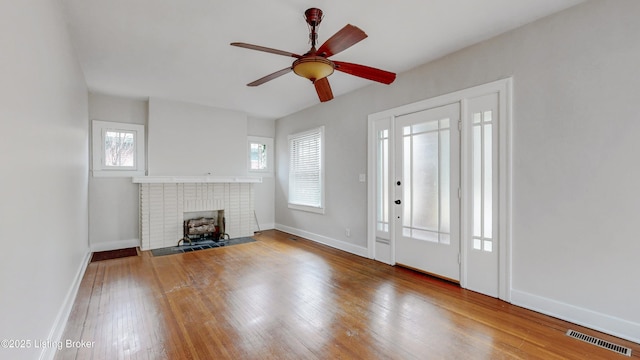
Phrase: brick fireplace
[165,202]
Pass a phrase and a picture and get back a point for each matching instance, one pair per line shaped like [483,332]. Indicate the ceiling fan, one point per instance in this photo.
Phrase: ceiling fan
[315,64]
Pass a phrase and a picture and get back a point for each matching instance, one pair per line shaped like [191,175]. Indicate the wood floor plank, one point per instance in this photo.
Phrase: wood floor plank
[283,297]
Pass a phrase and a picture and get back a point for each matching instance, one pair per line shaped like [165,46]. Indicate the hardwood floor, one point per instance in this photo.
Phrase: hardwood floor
[283,297]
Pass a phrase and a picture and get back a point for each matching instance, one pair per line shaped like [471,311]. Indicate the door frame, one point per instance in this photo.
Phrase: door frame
[382,249]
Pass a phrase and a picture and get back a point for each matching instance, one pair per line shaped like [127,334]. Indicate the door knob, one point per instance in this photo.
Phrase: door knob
[398,202]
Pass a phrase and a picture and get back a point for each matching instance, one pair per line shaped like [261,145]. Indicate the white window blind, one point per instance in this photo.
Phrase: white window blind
[306,183]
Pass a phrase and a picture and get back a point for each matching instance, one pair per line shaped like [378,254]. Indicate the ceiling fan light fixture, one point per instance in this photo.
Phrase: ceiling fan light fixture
[313,67]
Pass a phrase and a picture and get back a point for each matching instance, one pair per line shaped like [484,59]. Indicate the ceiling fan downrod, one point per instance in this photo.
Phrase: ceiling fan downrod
[313,17]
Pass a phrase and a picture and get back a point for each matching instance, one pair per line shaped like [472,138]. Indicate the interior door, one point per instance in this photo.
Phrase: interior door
[427,182]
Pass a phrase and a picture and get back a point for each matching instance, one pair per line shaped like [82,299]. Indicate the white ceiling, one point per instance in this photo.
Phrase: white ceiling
[179,49]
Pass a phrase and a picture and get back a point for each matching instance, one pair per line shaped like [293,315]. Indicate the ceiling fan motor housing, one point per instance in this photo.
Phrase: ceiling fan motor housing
[313,16]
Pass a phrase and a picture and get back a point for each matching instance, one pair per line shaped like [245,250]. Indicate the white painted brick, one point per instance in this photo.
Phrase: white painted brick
[162,207]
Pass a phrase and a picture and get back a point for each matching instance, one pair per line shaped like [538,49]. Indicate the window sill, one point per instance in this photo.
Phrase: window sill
[116,173]
[194,179]
[265,173]
[317,210]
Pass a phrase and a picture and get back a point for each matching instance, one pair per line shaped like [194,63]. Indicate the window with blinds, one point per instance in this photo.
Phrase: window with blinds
[306,173]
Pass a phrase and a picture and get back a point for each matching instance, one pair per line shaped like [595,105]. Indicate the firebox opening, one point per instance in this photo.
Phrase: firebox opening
[202,225]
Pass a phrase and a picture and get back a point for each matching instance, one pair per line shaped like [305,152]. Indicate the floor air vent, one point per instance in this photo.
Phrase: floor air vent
[599,342]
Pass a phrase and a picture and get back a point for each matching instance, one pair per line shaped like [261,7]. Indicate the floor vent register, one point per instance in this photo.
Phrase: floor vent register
[599,342]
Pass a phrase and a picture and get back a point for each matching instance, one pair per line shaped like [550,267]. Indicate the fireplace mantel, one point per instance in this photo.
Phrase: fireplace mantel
[195,179]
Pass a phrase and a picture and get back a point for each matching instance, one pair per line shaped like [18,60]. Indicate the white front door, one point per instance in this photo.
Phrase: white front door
[426,184]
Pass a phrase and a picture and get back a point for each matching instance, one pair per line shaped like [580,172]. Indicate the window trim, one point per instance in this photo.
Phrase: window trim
[99,169]
[309,208]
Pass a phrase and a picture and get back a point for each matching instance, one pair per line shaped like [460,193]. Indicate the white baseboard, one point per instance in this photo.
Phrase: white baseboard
[55,335]
[267,226]
[115,245]
[594,320]
[338,244]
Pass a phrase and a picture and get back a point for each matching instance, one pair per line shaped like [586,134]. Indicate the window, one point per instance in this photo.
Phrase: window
[306,170]
[260,155]
[118,149]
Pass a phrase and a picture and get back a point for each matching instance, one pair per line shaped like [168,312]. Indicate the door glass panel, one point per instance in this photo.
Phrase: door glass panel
[488,245]
[483,181]
[488,183]
[419,234]
[383,181]
[426,173]
[445,187]
[487,116]
[425,181]
[424,127]
[406,173]
[477,180]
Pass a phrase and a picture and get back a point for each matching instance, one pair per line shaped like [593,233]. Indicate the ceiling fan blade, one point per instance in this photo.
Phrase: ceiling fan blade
[270,77]
[342,40]
[366,72]
[265,49]
[323,89]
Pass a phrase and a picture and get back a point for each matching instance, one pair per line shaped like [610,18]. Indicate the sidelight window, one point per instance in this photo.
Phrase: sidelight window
[382,168]
[483,123]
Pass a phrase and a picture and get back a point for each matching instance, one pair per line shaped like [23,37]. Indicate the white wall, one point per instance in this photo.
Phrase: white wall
[114,201]
[43,187]
[575,193]
[220,140]
[265,191]
[345,159]
[191,139]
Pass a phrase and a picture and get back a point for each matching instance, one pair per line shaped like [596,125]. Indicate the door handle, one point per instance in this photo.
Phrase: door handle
[398,202]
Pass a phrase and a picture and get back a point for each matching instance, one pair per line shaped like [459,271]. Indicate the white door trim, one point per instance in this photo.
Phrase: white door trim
[383,251]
